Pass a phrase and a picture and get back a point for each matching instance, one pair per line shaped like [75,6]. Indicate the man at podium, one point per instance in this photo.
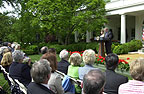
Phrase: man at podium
[108,37]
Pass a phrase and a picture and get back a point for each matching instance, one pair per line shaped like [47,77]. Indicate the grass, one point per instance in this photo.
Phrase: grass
[4,83]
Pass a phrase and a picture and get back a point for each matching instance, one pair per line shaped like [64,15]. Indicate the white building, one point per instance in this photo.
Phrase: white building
[126,19]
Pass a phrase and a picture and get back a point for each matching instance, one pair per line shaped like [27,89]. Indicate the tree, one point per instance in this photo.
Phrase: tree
[63,17]
[6,30]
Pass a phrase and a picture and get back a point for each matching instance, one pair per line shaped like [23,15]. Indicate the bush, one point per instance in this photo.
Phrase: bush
[57,47]
[133,45]
[29,52]
[76,47]
[32,49]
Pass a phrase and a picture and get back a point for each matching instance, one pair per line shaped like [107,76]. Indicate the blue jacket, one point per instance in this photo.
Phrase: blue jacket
[84,70]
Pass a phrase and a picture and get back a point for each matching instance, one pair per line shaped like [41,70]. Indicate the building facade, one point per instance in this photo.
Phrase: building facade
[126,19]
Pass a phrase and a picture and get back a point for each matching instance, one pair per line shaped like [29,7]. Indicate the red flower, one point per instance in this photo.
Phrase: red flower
[128,58]
[100,57]
[125,62]
[120,61]
[81,54]
[104,59]
[97,59]
[101,60]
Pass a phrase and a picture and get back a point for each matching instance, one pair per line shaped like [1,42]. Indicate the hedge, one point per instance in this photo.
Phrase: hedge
[133,45]
[33,49]
[117,48]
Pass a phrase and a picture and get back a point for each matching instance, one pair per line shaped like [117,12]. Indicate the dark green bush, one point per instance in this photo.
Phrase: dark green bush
[76,47]
[133,45]
[29,52]
[93,45]
[57,47]
[32,49]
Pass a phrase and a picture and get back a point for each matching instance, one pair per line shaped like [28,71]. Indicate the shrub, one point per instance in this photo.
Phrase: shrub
[29,52]
[133,45]
[76,47]
[32,49]
[57,47]
[93,45]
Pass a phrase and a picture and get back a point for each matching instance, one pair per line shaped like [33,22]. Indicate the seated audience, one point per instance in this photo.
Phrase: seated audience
[93,82]
[75,61]
[19,70]
[55,82]
[88,59]
[113,79]
[44,50]
[40,72]
[135,86]
[63,64]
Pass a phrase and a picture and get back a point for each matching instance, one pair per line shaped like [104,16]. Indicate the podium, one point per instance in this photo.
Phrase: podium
[101,42]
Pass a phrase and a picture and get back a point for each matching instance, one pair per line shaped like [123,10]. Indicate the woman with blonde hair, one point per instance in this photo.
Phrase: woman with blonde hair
[88,58]
[135,86]
[75,61]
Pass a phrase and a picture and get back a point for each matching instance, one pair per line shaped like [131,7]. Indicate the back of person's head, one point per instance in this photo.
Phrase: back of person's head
[89,57]
[9,44]
[64,54]
[5,43]
[75,59]
[52,60]
[111,61]
[6,50]
[106,29]
[44,50]
[93,82]
[41,71]
[52,50]
[17,47]
[137,69]
[17,55]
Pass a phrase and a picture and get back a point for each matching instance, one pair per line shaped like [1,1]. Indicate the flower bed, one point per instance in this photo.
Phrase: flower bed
[123,64]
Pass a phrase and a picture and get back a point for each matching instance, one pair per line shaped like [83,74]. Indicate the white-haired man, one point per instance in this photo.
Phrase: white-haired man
[40,73]
[63,64]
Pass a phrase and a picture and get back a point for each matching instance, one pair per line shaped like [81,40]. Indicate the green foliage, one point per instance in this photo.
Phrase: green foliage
[133,45]
[57,47]
[76,47]
[32,49]
[63,17]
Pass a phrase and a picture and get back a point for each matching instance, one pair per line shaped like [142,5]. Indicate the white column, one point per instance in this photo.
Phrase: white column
[76,36]
[87,36]
[123,28]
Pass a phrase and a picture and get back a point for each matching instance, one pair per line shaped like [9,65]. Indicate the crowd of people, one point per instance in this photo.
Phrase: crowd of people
[42,77]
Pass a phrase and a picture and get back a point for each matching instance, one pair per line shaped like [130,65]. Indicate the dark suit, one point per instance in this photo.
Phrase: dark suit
[34,88]
[108,36]
[113,81]
[21,72]
[63,66]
